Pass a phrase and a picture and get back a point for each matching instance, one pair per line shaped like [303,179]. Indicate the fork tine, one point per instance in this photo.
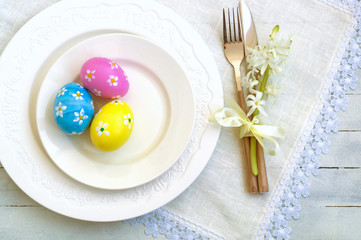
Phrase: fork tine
[224,27]
[230,27]
[239,26]
[234,27]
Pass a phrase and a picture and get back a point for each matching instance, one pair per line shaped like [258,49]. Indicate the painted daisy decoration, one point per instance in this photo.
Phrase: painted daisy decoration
[101,129]
[80,117]
[90,75]
[76,133]
[113,65]
[116,102]
[97,92]
[78,95]
[113,80]
[62,92]
[59,109]
[116,97]
[128,120]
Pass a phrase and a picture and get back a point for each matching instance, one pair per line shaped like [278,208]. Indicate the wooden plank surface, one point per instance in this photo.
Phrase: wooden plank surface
[40,223]
[327,223]
[36,222]
[333,210]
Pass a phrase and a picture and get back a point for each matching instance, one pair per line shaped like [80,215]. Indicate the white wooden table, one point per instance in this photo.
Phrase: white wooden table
[333,210]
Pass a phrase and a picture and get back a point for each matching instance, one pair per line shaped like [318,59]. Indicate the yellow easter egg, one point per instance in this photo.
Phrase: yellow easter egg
[112,126]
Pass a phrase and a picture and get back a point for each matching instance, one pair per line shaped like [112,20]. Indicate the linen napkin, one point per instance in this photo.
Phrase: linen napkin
[218,199]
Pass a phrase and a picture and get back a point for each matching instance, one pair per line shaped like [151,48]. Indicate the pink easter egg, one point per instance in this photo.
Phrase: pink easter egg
[104,78]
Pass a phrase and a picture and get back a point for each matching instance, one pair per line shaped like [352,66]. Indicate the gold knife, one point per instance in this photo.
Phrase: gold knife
[249,37]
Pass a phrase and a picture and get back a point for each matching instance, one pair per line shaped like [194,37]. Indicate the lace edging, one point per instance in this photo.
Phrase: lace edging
[284,205]
[172,226]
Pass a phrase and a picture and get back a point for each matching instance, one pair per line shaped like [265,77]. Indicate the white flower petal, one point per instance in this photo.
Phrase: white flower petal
[253,108]
[262,111]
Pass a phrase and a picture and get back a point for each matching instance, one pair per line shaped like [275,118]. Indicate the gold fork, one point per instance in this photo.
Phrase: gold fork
[234,52]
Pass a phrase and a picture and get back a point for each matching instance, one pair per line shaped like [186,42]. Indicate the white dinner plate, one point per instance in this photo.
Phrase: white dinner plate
[162,102]
[26,62]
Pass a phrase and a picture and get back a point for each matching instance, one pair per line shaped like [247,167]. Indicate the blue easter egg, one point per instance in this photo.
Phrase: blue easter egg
[73,109]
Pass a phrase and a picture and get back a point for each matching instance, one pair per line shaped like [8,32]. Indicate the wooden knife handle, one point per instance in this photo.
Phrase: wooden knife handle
[262,173]
[252,179]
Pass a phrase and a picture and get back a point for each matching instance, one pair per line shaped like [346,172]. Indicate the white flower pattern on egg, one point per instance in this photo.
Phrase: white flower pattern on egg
[113,65]
[89,75]
[116,102]
[113,80]
[116,97]
[80,116]
[101,129]
[62,91]
[128,120]
[78,95]
[59,109]
[97,92]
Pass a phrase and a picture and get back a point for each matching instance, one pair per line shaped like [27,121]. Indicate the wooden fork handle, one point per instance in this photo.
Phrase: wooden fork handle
[252,179]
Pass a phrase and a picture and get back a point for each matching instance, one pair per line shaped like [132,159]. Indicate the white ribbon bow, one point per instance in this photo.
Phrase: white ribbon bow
[236,117]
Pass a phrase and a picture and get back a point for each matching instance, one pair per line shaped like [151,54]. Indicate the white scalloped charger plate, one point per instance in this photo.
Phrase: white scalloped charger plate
[162,102]
[24,65]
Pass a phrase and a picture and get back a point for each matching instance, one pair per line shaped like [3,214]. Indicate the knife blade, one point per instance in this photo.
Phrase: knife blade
[249,34]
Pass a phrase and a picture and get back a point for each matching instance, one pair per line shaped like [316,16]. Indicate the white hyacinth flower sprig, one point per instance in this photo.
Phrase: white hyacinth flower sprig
[265,65]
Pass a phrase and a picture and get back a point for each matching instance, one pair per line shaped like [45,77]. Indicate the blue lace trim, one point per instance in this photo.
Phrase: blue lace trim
[285,206]
[307,164]
[163,222]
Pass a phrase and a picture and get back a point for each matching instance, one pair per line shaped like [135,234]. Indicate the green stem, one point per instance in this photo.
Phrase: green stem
[253,142]
[253,151]
[262,88]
